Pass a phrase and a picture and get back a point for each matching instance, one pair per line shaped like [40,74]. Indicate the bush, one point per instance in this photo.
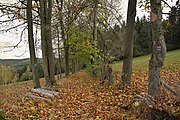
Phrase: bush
[8,74]
[2,113]
[27,75]
[93,70]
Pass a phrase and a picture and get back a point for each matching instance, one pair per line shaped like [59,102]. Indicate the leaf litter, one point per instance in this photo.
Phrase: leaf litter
[83,97]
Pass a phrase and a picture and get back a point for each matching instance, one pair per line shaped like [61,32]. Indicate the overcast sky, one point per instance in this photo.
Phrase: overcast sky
[12,38]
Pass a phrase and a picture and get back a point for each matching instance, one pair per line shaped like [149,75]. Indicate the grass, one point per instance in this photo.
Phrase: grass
[172,59]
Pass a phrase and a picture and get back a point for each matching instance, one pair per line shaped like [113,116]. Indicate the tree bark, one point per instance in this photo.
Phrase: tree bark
[43,40]
[59,55]
[73,66]
[130,31]
[159,48]
[47,51]
[95,17]
[95,21]
[49,45]
[66,47]
[33,59]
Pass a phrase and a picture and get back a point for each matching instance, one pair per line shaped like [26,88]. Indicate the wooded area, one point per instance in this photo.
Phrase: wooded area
[87,35]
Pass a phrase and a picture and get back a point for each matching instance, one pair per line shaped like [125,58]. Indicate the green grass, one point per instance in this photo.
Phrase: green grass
[172,59]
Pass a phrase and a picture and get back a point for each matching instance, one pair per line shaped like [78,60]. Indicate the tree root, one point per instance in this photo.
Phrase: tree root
[176,92]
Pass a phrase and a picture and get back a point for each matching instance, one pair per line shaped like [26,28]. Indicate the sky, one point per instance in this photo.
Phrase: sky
[7,42]
[22,51]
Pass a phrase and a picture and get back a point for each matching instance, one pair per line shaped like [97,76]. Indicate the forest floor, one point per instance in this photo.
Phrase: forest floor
[83,97]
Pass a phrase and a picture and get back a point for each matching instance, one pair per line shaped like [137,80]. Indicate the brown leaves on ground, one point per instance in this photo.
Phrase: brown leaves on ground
[83,97]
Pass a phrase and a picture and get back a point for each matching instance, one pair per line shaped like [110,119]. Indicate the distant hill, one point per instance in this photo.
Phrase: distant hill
[17,62]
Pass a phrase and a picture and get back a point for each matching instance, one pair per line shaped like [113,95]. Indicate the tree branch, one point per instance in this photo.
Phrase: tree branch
[13,27]
[166,3]
[171,14]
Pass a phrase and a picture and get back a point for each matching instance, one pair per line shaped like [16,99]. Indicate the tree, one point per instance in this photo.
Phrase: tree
[158,48]
[70,8]
[59,55]
[80,44]
[33,59]
[130,31]
[63,35]
[172,28]
[27,75]
[47,50]
[7,74]
[142,43]
[112,43]
[96,2]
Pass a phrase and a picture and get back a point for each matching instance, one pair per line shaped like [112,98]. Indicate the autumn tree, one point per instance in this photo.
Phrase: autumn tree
[68,15]
[130,31]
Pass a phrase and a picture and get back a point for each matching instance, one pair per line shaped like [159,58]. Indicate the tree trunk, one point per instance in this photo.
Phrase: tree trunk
[94,31]
[43,40]
[79,65]
[94,41]
[73,66]
[36,82]
[127,62]
[60,65]
[49,45]
[66,47]
[47,51]
[59,55]
[159,48]
[95,22]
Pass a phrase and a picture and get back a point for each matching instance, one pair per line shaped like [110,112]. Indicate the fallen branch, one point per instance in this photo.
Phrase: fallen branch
[170,88]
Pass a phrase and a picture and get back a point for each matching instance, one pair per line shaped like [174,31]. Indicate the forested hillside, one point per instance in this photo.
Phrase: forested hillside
[15,62]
